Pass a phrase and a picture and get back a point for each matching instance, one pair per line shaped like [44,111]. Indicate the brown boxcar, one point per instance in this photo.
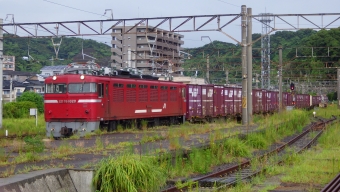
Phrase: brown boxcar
[218,101]
[229,101]
[257,101]
[237,101]
[194,102]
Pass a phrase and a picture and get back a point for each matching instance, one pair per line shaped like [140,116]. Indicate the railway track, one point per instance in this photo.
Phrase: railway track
[333,186]
[237,173]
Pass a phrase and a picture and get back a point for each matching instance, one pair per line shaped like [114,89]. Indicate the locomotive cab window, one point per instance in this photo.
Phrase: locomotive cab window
[55,88]
[82,88]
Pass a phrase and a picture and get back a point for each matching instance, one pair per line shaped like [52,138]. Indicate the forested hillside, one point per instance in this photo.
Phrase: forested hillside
[42,51]
[297,56]
[223,55]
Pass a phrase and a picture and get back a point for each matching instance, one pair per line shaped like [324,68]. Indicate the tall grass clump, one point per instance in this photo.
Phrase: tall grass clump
[128,173]
[331,137]
[256,141]
[236,147]
[144,125]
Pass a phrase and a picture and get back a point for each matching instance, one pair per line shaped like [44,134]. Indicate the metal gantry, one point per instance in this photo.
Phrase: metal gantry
[193,23]
[265,52]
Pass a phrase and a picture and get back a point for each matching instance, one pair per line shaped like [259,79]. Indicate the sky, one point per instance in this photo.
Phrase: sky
[34,11]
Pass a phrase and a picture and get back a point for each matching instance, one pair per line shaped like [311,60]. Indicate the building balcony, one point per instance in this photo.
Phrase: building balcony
[142,41]
[118,36]
[116,42]
[116,50]
[117,58]
[145,48]
[145,65]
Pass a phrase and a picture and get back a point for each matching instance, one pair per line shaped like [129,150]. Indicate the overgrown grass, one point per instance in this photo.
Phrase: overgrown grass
[318,166]
[24,126]
[128,173]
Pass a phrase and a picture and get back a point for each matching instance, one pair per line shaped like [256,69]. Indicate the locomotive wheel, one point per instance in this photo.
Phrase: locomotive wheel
[112,126]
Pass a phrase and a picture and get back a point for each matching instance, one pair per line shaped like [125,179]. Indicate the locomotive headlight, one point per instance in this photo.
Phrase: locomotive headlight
[54,77]
[83,129]
[82,77]
[52,130]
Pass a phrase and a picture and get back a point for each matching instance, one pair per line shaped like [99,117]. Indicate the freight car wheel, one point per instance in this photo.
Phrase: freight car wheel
[156,122]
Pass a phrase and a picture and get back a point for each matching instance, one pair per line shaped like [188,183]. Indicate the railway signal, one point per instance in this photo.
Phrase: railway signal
[292,86]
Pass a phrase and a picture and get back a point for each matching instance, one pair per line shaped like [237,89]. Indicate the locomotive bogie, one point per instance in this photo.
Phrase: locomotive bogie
[66,129]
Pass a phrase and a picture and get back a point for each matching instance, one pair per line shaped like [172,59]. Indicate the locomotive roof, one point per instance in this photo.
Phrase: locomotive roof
[73,77]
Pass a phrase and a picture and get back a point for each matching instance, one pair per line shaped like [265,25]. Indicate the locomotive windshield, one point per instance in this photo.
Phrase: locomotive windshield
[55,88]
[82,88]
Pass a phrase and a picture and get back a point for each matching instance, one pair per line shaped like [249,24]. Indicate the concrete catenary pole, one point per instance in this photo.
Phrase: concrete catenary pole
[280,79]
[129,58]
[1,59]
[338,88]
[226,76]
[249,66]
[208,77]
[244,64]
[10,89]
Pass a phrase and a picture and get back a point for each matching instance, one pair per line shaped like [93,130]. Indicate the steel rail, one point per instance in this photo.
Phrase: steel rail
[248,163]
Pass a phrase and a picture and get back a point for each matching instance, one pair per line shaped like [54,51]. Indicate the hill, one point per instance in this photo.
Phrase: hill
[298,63]
[42,51]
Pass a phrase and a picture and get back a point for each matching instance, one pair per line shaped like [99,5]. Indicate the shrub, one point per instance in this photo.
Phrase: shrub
[18,109]
[35,98]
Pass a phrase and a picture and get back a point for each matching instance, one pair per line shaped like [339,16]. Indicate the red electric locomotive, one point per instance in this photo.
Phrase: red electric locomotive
[93,98]
[81,103]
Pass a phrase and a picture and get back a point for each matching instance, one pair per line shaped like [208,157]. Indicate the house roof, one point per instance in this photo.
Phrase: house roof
[6,84]
[18,73]
[54,68]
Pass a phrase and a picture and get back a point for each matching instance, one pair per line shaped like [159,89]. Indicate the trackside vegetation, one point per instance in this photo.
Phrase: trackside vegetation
[128,173]
[174,165]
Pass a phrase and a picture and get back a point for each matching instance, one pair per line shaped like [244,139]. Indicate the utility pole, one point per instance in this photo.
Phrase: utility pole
[280,79]
[1,64]
[244,64]
[129,58]
[208,69]
[10,90]
[338,88]
[249,66]
[226,75]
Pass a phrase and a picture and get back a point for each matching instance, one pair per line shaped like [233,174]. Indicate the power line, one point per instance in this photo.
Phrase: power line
[74,8]
[229,3]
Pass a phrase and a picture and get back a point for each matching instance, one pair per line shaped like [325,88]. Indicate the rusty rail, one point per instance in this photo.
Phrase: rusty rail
[313,126]
[333,186]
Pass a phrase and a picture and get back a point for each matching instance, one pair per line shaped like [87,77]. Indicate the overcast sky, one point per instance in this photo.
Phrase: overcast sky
[32,11]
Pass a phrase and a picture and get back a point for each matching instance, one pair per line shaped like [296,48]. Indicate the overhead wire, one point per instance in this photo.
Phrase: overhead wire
[75,8]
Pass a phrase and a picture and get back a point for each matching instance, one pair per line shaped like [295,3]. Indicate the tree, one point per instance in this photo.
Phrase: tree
[33,97]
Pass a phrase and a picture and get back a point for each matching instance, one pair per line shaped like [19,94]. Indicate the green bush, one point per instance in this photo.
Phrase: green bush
[18,109]
[33,97]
